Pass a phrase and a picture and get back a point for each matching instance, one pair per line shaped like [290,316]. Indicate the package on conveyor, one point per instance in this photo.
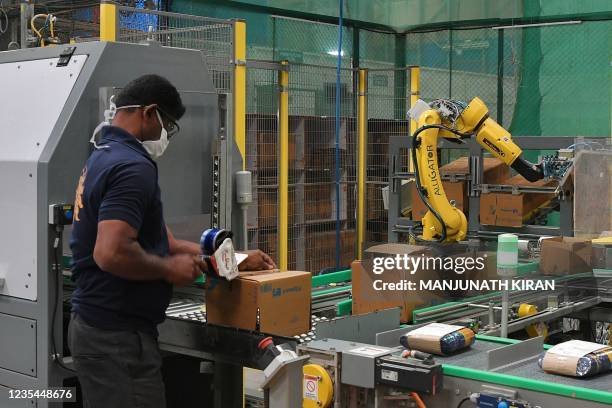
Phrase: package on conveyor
[577,358]
[438,338]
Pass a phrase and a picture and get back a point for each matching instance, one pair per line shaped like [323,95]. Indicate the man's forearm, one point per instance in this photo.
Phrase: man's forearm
[180,246]
[131,262]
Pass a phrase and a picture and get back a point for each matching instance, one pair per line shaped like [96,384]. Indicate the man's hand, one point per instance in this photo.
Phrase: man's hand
[256,261]
[183,269]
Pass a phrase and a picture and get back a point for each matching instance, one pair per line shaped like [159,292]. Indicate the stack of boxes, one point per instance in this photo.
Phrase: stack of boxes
[496,208]
[312,190]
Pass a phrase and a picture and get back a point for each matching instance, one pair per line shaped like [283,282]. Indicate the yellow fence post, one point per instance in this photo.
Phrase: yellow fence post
[362,127]
[415,94]
[283,166]
[239,90]
[108,21]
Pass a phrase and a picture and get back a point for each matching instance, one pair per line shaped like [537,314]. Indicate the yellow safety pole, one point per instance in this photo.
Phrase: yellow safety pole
[283,166]
[108,21]
[240,88]
[415,94]
[362,128]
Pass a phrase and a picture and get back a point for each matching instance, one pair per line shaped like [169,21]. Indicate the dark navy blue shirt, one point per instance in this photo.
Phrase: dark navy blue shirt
[119,182]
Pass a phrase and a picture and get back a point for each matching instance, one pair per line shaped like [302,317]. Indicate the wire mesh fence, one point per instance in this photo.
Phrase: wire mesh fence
[386,111]
[262,158]
[214,37]
[320,203]
[312,188]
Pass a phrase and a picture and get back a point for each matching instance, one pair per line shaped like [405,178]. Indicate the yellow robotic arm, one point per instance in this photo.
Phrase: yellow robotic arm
[455,120]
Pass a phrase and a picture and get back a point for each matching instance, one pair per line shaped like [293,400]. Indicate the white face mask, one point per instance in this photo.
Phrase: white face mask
[156,148]
[109,115]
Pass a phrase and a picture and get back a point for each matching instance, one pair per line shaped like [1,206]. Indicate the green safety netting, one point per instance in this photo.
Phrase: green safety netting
[551,80]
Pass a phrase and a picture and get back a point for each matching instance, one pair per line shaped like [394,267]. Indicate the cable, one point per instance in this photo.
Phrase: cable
[417,177]
[418,400]
[462,402]
[3,27]
[57,270]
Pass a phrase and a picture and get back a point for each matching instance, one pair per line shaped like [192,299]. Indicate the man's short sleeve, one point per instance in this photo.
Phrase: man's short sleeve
[129,190]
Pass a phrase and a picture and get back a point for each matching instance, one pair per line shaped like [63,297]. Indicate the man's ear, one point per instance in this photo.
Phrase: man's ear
[149,111]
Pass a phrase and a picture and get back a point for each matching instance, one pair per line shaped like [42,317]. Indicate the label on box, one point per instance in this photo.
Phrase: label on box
[434,330]
[575,348]
[388,375]
[311,387]
[369,351]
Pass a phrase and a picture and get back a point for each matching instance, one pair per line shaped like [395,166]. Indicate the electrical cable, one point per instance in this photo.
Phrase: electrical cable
[3,27]
[462,402]
[57,270]
[417,177]
[417,399]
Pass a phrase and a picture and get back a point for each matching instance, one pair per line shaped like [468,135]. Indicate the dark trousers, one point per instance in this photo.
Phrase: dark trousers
[119,369]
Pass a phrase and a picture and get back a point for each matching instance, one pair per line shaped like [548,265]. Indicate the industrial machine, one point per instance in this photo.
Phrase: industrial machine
[53,98]
[456,121]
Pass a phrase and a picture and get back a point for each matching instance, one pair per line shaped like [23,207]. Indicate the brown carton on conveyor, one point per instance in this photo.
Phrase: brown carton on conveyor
[565,255]
[272,303]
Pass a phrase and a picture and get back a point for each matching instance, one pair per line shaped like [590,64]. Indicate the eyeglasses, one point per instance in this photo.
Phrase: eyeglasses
[172,126]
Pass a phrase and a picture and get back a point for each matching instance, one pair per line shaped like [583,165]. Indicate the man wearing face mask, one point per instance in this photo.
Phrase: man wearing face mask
[125,260]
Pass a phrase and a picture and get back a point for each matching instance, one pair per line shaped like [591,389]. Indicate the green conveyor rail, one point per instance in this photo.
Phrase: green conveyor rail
[334,277]
[344,307]
[526,383]
[330,290]
[502,340]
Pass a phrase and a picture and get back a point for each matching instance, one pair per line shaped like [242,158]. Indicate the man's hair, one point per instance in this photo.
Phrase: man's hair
[152,89]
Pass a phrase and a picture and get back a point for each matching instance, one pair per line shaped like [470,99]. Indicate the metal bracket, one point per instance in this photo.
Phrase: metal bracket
[65,56]
[502,392]
[240,63]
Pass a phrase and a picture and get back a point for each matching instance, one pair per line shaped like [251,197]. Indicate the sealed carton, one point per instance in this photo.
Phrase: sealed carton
[511,210]
[272,303]
[367,299]
[565,256]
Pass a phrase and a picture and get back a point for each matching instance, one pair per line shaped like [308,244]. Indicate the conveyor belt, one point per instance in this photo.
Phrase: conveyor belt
[476,358]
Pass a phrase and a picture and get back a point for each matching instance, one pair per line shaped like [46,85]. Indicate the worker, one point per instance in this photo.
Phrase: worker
[125,259]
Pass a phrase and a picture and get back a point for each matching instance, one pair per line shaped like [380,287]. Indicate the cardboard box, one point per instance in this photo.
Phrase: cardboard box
[565,256]
[317,202]
[601,256]
[272,303]
[321,251]
[267,154]
[511,210]
[494,172]
[366,299]
[267,206]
